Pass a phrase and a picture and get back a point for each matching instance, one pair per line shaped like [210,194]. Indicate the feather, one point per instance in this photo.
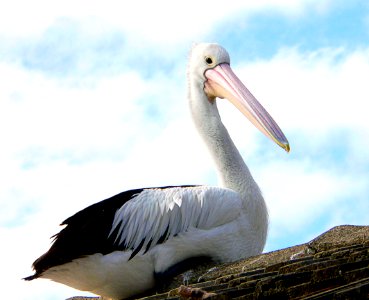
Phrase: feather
[159,214]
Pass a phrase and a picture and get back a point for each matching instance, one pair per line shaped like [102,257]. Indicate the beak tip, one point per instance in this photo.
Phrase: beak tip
[286,147]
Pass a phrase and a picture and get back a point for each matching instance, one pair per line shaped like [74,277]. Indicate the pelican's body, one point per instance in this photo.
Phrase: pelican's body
[119,247]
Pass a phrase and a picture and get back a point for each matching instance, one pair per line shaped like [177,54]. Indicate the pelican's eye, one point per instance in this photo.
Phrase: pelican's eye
[209,60]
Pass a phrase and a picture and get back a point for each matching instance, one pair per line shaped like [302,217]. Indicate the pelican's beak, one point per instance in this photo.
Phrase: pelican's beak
[223,83]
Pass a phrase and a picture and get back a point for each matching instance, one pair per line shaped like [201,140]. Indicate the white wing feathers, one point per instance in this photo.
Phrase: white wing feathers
[158,214]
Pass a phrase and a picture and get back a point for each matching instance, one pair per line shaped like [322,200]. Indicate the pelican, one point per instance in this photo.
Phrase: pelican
[122,246]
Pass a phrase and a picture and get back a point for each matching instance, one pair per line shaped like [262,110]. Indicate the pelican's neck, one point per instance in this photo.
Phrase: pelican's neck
[232,170]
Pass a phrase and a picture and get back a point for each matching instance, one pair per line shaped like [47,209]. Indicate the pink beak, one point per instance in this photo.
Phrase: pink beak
[223,83]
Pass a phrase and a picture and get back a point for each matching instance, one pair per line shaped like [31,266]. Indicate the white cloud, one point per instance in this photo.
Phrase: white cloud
[324,89]
[299,192]
[160,21]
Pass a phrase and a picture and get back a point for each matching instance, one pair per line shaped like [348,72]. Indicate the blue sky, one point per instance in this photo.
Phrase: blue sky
[93,102]
[267,31]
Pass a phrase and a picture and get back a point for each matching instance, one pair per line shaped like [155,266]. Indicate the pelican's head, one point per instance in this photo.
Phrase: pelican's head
[210,65]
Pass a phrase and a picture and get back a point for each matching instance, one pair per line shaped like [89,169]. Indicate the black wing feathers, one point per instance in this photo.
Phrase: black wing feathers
[86,233]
